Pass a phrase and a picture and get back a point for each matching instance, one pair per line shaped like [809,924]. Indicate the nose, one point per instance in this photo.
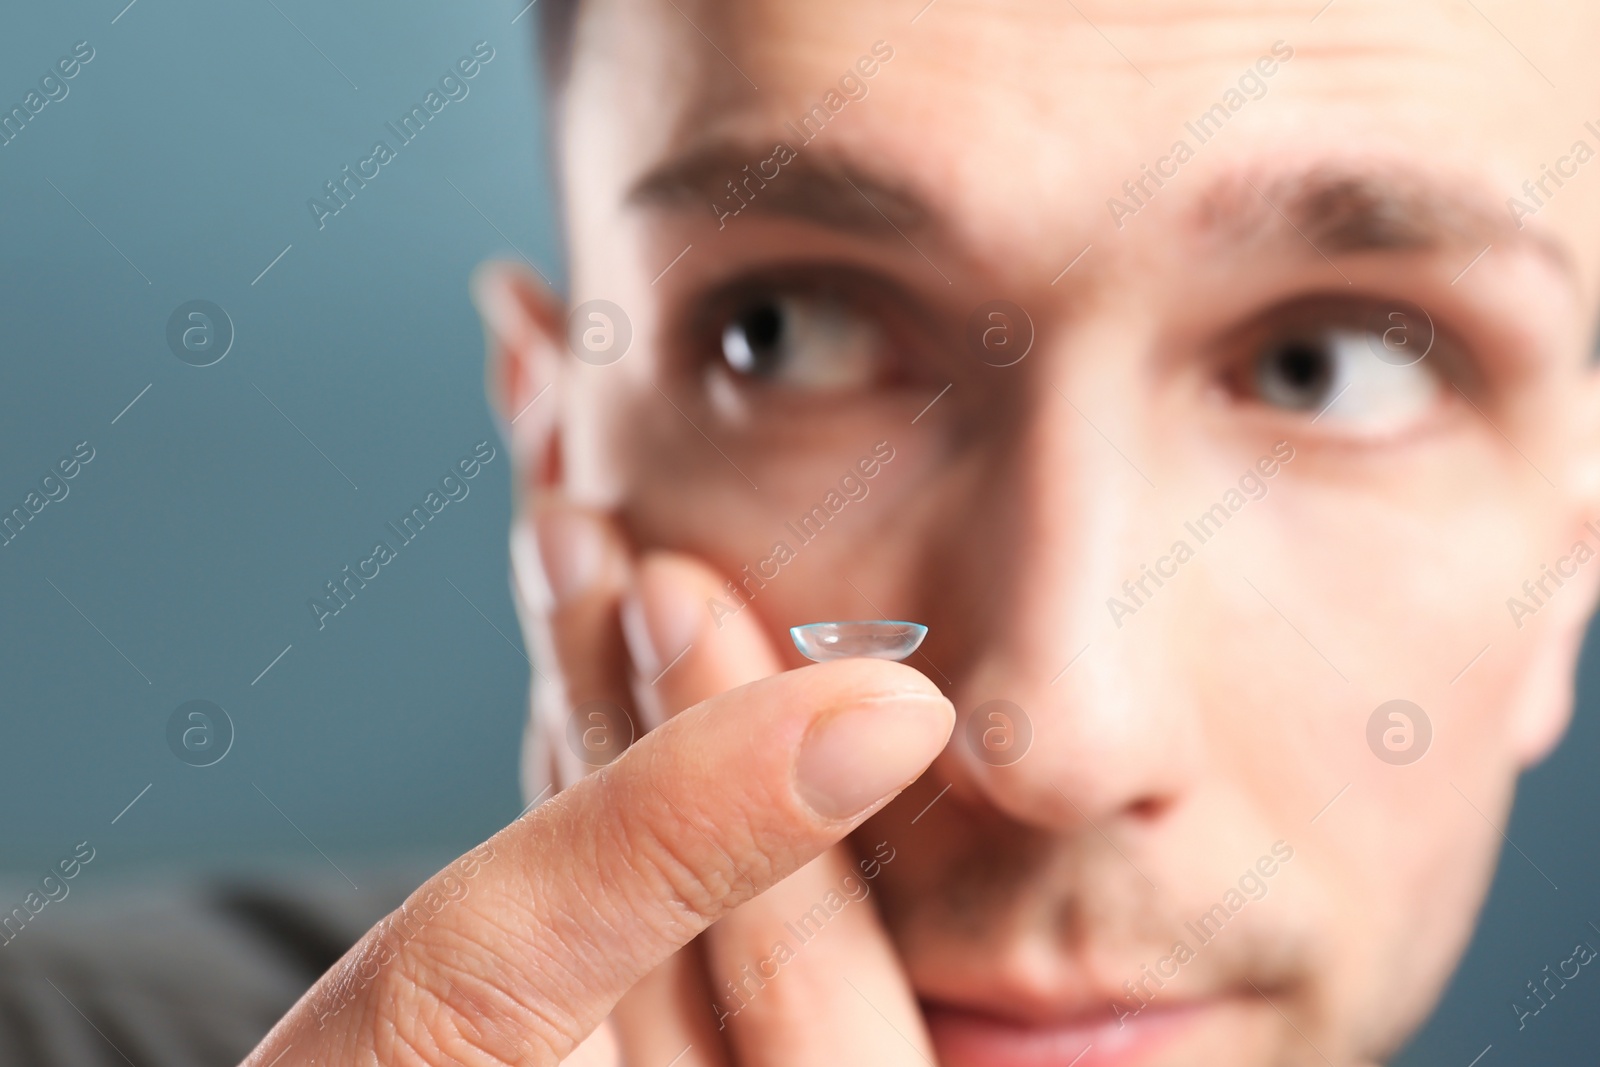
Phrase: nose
[1066,716]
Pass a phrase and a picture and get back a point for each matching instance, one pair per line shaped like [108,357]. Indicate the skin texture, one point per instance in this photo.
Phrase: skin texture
[1211,726]
[1182,744]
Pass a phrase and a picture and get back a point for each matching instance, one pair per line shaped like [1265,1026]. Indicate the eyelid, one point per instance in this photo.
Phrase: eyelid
[897,315]
[815,280]
[1318,314]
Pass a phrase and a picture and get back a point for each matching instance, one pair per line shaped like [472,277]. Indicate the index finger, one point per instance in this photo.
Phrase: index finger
[579,899]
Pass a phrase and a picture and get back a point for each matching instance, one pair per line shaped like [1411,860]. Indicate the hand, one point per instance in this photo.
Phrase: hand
[517,952]
[756,989]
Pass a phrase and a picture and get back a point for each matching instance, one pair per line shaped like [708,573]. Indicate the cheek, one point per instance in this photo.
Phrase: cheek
[1393,589]
[767,510]
[1396,585]
[1334,603]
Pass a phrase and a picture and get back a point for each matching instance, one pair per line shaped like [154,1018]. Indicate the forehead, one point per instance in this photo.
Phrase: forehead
[1018,124]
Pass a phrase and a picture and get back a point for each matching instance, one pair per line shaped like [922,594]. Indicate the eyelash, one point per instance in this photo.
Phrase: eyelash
[917,336]
[1399,325]
[861,291]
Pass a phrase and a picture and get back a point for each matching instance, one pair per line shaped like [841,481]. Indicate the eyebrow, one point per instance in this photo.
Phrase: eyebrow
[1346,210]
[812,187]
[1336,209]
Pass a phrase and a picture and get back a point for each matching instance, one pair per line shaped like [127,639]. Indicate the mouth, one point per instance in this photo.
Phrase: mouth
[964,1037]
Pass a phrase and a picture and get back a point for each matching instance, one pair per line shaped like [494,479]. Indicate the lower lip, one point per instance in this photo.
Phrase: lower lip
[970,1039]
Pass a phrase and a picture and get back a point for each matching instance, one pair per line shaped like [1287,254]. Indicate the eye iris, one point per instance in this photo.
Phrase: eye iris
[751,341]
[1295,374]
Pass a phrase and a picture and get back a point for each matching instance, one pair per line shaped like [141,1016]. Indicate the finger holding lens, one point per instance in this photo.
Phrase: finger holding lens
[779,999]
[521,953]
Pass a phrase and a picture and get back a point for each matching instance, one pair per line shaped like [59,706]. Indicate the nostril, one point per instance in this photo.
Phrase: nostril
[1148,809]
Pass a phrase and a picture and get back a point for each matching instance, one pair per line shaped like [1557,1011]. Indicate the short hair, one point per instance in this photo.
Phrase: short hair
[557,23]
[557,28]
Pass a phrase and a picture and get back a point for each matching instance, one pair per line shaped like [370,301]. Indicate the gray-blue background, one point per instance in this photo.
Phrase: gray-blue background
[207,518]
[180,563]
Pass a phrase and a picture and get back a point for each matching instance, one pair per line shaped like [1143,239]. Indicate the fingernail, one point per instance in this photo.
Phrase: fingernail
[571,548]
[857,756]
[660,617]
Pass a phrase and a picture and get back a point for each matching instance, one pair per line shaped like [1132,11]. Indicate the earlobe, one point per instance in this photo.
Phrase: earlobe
[523,333]
[1584,474]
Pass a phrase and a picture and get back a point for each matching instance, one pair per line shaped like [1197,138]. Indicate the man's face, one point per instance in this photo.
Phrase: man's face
[1215,515]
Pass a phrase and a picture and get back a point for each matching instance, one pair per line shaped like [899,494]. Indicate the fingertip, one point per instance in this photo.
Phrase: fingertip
[688,644]
[875,678]
[578,551]
[857,757]
[663,612]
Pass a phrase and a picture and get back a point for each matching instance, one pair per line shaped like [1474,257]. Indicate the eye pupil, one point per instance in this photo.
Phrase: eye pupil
[1295,373]
[750,342]
[763,325]
[1303,365]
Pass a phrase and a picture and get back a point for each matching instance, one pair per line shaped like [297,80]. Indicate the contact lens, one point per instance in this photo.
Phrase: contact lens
[877,639]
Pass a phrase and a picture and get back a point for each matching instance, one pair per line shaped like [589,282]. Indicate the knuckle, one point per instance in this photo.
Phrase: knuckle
[440,1008]
[674,856]
[661,871]
[674,874]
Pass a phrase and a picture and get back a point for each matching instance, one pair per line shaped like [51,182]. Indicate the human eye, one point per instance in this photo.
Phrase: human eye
[801,335]
[1362,369]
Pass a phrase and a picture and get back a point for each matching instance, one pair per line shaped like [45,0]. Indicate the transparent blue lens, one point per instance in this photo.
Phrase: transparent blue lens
[878,639]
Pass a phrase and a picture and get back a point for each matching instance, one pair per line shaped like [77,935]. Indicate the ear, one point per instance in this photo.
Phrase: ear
[524,333]
[1544,707]
[524,341]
